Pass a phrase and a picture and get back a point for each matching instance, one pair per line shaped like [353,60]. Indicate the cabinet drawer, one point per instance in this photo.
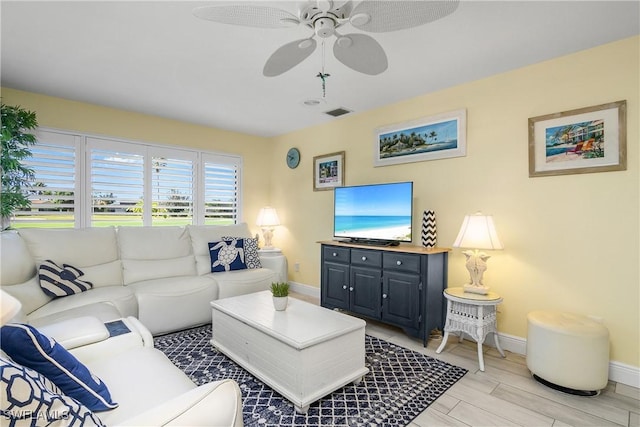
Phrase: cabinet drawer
[401,262]
[335,254]
[366,258]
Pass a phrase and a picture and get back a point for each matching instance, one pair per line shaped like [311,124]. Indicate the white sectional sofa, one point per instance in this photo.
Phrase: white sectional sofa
[160,275]
[153,279]
[146,387]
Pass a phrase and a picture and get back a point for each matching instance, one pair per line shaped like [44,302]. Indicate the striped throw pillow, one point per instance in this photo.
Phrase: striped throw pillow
[62,281]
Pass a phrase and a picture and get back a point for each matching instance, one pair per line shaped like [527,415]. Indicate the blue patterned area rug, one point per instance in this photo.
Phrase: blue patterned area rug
[401,383]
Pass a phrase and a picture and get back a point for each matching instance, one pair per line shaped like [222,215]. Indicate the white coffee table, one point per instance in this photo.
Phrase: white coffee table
[303,353]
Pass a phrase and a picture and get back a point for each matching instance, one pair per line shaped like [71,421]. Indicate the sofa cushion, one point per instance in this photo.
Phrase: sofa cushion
[251,257]
[140,378]
[240,282]
[155,252]
[30,294]
[201,235]
[218,403]
[174,303]
[57,281]
[153,243]
[106,274]
[27,394]
[25,345]
[120,299]
[104,311]
[227,255]
[78,247]
[17,263]
[135,270]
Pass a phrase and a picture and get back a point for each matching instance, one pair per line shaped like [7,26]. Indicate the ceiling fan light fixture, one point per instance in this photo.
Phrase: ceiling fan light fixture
[305,44]
[344,41]
[325,5]
[324,27]
[360,19]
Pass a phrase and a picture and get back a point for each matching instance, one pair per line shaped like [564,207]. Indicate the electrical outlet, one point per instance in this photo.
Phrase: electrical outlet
[296,266]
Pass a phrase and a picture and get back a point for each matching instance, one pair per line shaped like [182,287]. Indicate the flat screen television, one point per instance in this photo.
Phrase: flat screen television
[379,214]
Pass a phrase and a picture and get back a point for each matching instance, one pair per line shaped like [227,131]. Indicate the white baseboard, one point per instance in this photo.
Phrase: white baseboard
[517,345]
[624,374]
[618,372]
[301,288]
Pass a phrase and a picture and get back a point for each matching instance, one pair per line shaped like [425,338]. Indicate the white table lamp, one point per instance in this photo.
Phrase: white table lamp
[267,220]
[10,306]
[477,232]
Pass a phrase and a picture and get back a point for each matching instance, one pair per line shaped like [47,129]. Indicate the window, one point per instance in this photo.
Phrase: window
[220,190]
[83,180]
[55,191]
[172,189]
[116,183]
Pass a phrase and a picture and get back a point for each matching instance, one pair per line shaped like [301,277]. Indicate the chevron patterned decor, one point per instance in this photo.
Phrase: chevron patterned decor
[429,235]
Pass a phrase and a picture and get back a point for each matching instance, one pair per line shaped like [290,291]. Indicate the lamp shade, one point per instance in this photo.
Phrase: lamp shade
[9,305]
[478,232]
[268,217]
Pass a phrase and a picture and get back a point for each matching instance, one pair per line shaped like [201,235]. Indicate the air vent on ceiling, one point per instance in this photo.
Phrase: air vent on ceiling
[338,112]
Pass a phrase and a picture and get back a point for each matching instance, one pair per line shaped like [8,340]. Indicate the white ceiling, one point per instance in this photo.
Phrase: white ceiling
[155,57]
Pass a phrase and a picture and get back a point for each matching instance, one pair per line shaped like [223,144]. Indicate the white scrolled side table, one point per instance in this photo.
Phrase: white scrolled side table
[473,314]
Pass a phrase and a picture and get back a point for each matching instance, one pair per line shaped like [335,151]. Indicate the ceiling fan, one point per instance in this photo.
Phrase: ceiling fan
[357,51]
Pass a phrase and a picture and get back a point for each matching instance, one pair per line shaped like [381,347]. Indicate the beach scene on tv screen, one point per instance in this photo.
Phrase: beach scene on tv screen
[374,212]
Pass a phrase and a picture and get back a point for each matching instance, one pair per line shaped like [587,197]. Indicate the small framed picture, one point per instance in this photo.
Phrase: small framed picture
[435,137]
[591,139]
[328,171]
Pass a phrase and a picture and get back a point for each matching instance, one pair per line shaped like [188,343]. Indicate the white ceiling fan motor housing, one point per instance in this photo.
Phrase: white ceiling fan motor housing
[324,27]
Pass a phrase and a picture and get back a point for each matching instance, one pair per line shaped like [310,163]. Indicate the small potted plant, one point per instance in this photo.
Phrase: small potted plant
[280,291]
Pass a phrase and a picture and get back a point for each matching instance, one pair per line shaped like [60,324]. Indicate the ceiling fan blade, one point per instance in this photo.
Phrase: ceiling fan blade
[380,16]
[361,53]
[288,56]
[247,15]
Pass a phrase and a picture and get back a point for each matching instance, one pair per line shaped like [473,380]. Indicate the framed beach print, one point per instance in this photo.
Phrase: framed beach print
[591,139]
[436,137]
[328,171]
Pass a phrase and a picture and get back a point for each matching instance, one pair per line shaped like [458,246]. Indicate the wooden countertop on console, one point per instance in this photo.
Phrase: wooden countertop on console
[400,248]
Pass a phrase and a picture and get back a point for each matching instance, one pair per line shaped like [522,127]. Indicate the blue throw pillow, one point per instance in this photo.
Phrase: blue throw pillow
[251,257]
[227,255]
[31,399]
[28,347]
[58,281]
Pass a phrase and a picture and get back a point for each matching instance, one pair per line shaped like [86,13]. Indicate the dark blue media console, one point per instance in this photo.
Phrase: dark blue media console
[399,285]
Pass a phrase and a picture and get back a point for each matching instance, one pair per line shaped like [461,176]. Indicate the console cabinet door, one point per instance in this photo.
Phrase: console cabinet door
[335,285]
[365,291]
[401,299]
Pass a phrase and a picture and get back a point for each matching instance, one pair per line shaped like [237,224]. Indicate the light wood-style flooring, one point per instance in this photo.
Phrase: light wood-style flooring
[506,394]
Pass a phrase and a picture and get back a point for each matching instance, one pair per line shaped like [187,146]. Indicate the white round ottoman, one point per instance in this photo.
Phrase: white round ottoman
[568,352]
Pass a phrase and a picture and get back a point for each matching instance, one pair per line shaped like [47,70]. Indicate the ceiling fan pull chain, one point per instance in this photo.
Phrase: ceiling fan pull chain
[323,75]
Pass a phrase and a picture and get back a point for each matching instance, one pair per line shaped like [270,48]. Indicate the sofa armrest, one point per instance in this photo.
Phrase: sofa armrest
[136,326]
[214,404]
[76,332]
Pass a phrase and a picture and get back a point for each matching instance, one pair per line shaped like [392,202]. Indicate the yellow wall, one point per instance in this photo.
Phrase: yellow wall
[571,242]
[77,116]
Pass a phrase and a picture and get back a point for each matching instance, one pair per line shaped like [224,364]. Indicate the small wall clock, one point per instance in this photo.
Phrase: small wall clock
[293,158]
